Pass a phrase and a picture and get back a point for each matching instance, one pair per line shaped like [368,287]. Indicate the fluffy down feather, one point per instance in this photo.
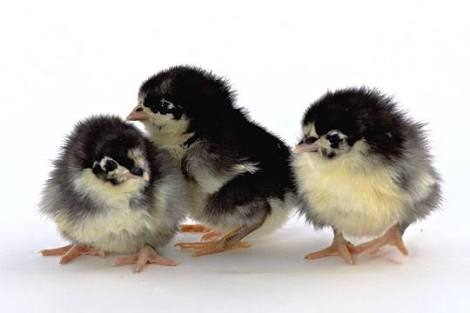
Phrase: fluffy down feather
[139,200]
[238,172]
[366,166]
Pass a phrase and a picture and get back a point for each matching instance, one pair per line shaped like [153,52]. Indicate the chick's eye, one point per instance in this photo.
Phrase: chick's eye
[138,171]
[310,140]
[146,103]
[334,140]
[152,103]
[110,165]
[97,169]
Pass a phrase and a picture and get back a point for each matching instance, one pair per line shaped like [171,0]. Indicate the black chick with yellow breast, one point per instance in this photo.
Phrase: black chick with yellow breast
[112,191]
[364,168]
[239,173]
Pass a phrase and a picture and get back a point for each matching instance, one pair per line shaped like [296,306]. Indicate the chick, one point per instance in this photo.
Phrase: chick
[238,172]
[112,191]
[364,168]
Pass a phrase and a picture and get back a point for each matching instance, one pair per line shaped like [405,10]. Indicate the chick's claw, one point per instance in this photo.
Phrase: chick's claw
[147,255]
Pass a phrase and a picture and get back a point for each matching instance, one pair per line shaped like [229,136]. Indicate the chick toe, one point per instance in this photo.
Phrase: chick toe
[392,237]
[146,255]
[222,246]
[71,252]
[56,251]
[74,251]
[212,247]
[212,235]
[194,228]
[340,247]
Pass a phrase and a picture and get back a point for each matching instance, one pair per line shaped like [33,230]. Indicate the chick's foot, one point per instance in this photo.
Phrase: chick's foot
[231,241]
[391,237]
[340,247]
[71,252]
[146,255]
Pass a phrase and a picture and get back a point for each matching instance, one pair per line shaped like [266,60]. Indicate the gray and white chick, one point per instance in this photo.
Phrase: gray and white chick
[238,172]
[112,191]
[363,168]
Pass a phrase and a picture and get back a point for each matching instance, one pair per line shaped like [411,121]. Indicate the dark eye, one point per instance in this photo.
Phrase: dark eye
[310,140]
[137,171]
[146,103]
[97,169]
[152,102]
[334,140]
[110,165]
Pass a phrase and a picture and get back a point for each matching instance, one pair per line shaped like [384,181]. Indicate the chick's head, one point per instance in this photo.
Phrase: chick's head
[352,123]
[182,99]
[121,159]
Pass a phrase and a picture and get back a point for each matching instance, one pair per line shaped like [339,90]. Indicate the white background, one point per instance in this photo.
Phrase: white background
[60,62]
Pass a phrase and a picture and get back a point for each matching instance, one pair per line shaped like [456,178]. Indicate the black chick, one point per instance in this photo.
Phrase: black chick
[239,173]
[112,191]
[364,168]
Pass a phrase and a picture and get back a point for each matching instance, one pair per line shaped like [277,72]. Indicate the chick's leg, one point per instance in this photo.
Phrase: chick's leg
[146,255]
[340,247]
[230,241]
[71,252]
[391,237]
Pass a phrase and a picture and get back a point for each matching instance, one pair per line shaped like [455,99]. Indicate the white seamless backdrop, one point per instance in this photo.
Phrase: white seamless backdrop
[61,61]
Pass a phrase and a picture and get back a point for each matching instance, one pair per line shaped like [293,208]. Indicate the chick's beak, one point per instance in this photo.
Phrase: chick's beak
[138,114]
[304,147]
